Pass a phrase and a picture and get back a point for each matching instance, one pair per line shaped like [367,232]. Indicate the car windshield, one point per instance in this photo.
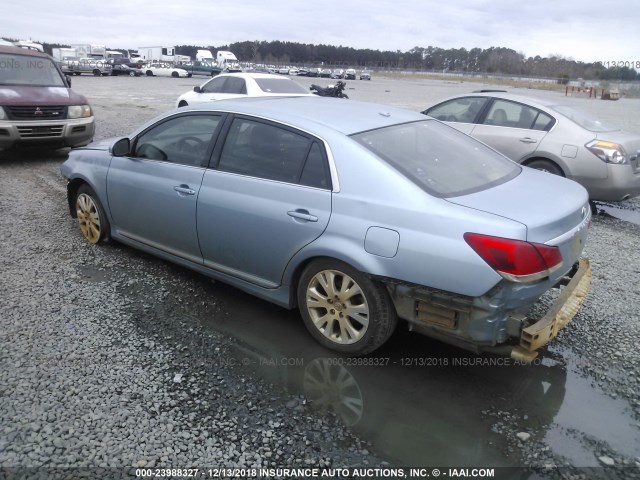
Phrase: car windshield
[438,158]
[28,70]
[279,85]
[584,119]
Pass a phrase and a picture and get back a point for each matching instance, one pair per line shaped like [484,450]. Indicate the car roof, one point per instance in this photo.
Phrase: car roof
[22,51]
[253,75]
[313,113]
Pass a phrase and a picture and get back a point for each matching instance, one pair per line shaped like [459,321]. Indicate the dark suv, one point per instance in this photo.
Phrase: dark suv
[37,105]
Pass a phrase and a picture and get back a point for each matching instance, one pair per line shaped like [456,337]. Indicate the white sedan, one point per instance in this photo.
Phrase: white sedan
[232,85]
[164,70]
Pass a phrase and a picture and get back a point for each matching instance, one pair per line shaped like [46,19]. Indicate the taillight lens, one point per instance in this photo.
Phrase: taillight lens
[608,151]
[515,260]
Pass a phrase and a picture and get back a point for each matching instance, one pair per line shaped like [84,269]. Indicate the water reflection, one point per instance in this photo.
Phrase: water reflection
[418,401]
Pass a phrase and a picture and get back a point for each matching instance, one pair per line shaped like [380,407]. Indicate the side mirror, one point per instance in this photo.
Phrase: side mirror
[121,148]
[68,78]
[197,89]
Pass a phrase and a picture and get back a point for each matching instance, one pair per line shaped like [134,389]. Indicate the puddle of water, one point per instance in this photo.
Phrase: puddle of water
[591,413]
[632,216]
[421,402]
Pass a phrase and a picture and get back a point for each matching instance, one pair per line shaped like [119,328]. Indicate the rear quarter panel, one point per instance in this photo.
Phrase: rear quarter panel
[431,249]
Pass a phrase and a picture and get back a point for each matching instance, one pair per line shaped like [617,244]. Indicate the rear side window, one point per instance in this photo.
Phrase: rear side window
[279,85]
[316,171]
[265,151]
[517,115]
[438,158]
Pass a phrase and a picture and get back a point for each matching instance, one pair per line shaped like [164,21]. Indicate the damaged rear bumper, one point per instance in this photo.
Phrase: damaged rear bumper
[492,323]
[559,315]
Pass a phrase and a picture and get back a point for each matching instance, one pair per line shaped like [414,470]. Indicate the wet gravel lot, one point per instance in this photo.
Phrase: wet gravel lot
[112,358]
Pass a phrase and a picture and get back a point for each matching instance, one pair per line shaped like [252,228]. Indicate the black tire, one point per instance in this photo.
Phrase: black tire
[546,166]
[132,74]
[76,73]
[92,220]
[97,73]
[149,73]
[182,104]
[175,74]
[342,331]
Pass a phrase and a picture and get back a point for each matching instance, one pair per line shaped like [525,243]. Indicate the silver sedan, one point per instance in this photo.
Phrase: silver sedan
[552,137]
[358,214]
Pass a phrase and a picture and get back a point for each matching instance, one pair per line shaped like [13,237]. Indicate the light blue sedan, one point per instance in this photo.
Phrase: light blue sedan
[360,215]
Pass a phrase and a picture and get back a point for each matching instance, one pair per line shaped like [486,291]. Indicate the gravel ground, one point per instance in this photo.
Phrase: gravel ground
[101,365]
[80,386]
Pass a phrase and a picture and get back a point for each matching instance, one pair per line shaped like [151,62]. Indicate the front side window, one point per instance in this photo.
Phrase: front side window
[438,158]
[184,140]
[464,110]
[29,70]
[214,86]
[234,85]
[265,151]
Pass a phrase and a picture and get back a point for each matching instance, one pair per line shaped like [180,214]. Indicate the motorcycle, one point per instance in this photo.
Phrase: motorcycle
[330,91]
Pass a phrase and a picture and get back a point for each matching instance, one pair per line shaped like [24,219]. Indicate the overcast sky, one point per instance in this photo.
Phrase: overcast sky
[584,30]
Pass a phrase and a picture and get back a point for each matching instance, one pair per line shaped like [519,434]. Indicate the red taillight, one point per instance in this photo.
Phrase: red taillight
[515,259]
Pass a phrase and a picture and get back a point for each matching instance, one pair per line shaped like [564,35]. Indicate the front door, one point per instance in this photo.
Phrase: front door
[152,193]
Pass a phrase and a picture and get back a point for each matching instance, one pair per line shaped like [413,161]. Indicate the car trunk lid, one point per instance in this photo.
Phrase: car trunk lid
[554,210]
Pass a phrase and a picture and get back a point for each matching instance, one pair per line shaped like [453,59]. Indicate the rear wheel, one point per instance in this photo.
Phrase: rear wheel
[344,309]
[91,217]
[149,73]
[546,166]
[97,73]
[132,74]
[175,74]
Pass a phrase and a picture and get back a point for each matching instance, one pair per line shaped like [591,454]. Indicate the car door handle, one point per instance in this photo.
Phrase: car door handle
[184,189]
[302,215]
[528,140]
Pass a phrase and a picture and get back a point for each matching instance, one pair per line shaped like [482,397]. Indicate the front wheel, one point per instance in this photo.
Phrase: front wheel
[175,74]
[132,74]
[97,73]
[149,73]
[91,217]
[343,309]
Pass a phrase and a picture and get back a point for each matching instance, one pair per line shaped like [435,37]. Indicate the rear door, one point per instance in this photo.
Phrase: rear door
[512,128]
[268,197]
[152,193]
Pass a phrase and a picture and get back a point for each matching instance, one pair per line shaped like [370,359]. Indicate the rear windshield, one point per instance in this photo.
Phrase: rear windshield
[438,158]
[279,85]
[28,70]
[584,119]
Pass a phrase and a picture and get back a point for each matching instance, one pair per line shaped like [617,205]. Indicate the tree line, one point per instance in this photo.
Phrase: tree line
[494,60]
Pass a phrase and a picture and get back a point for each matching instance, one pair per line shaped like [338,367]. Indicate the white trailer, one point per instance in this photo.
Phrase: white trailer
[157,54]
[87,50]
[62,54]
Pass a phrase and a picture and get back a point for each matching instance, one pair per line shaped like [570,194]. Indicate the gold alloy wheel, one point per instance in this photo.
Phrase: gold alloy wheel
[337,307]
[88,217]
